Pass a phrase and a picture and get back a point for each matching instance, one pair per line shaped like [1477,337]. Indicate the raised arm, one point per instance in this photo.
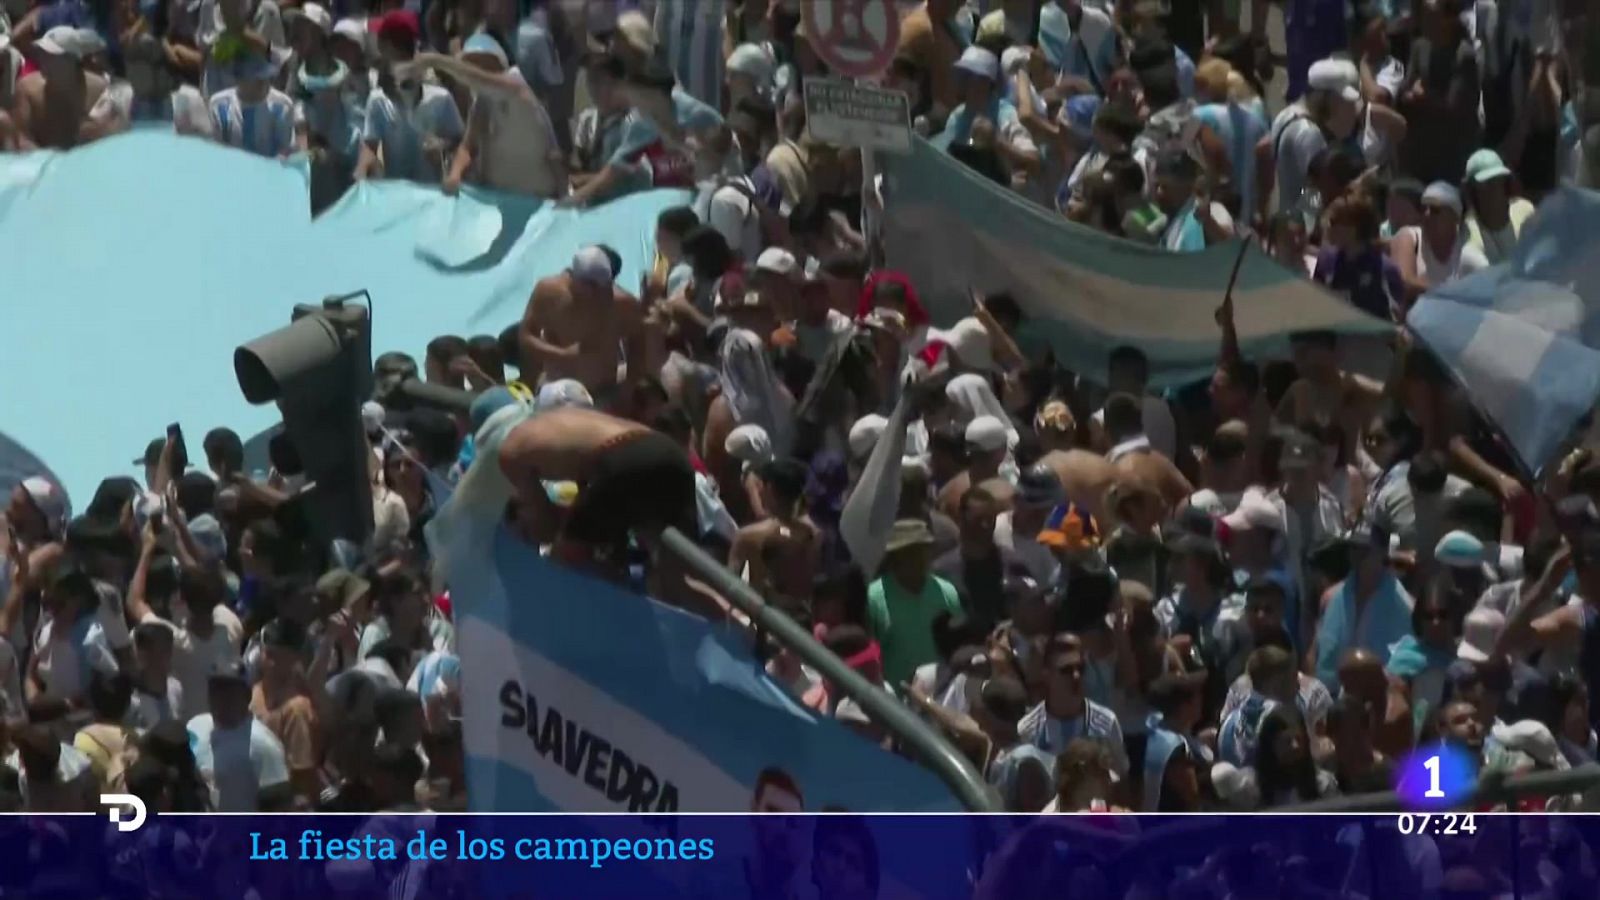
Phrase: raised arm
[503,83]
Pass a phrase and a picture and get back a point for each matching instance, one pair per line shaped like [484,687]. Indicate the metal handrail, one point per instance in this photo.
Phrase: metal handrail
[1489,790]
[929,746]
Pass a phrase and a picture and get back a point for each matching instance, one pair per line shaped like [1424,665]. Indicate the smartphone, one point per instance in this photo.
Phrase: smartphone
[180,451]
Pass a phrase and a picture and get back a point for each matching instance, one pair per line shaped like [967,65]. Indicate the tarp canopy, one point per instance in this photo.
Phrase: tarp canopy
[1084,292]
[1523,337]
[138,263]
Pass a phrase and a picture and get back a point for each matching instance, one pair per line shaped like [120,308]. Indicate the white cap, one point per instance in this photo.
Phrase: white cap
[752,61]
[315,13]
[1479,634]
[969,340]
[563,392]
[1336,76]
[591,264]
[64,40]
[777,261]
[1443,193]
[1255,512]
[637,31]
[1208,501]
[749,444]
[987,433]
[980,62]
[355,31]
[864,434]
[49,501]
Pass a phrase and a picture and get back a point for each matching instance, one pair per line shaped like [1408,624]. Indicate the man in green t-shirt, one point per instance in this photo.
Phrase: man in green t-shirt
[903,601]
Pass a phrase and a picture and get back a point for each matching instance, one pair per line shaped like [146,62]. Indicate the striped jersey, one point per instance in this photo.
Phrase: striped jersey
[1052,735]
[691,36]
[265,128]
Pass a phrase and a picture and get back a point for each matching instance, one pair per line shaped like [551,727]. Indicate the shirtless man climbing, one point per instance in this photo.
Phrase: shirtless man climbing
[53,103]
[631,480]
[509,134]
[783,551]
[576,322]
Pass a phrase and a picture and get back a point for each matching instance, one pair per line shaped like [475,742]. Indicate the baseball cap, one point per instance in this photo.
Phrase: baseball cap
[49,501]
[1336,76]
[482,44]
[1040,486]
[1442,193]
[400,25]
[980,62]
[1479,633]
[1486,165]
[563,392]
[592,265]
[865,433]
[314,13]
[1254,512]
[65,40]
[152,452]
[778,261]
[1459,550]
[355,31]
[987,433]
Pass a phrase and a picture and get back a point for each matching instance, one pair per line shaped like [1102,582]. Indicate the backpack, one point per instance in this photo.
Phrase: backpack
[118,763]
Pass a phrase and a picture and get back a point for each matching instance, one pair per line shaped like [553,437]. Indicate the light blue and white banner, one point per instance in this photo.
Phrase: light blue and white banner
[1085,292]
[1523,337]
[136,264]
[582,697]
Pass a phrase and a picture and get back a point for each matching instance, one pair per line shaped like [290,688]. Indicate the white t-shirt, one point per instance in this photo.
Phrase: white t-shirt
[237,763]
[193,661]
[64,666]
[724,207]
[400,132]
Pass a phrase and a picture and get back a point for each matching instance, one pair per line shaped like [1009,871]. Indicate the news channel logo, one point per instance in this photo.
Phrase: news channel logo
[125,810]
[1436,776]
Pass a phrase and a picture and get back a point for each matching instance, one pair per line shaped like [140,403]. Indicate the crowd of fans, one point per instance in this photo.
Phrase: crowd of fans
[1259,590]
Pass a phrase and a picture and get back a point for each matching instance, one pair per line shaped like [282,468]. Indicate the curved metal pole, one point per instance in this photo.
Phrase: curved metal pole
[932,749]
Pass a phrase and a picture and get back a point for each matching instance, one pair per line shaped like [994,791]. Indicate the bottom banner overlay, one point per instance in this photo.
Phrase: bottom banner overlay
[784,857]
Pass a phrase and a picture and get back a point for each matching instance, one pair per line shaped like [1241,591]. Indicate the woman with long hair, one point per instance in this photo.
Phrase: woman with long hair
[1285,772]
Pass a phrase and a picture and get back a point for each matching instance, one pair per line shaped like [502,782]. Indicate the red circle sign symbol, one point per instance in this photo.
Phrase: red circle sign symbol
[856,38]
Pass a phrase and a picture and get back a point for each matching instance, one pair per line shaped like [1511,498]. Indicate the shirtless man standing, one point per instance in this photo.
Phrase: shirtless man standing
[784,550]
[53,103]
[574,325]
[1134,460]
[631,480]
[509,134]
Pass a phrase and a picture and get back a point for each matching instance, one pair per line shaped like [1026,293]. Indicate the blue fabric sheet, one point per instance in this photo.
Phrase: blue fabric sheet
[140,262]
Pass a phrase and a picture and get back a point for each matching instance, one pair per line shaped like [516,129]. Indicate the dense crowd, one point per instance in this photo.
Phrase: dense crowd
[1262,589]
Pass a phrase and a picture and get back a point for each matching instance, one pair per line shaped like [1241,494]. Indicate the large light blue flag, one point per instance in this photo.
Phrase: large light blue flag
[1085,292]
[135,265]
[1523,337]
[580,696]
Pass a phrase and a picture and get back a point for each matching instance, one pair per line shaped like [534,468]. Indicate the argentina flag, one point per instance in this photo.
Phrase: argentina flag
[1523,338]
[1085,292]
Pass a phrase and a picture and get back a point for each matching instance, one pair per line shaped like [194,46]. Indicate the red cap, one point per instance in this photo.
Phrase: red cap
[401,26]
